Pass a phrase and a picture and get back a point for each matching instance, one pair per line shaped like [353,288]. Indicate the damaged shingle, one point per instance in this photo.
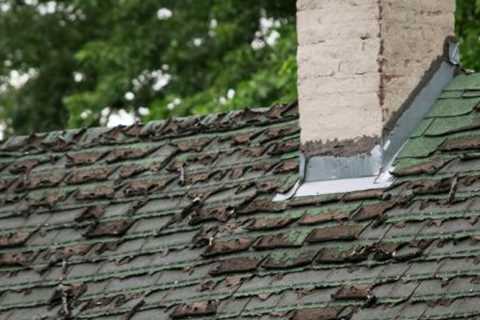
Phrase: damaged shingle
[353,293]
[222,214]
[269,224]
[114,228]
[293,260]
[90,213]
[23,166]
[287,166]
[428,167]
[235,265]
[100,192]
[39,181]
[13,239]
[67,293]
[316,314]
[75,250]
[262,205]
[83,158]
[131,170]
[333,215]
[461,144]
[192,145]
[337,255]
[122,154]
[373,211]
[13,259]
[196,309]
[337,233]
[218,247]
[143,187]
[280,240]
[5,183]
[89,175]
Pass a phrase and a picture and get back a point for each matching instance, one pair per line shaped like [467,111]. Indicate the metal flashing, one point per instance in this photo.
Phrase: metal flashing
[321,168]
[332,174]
[418,109]
[344,185]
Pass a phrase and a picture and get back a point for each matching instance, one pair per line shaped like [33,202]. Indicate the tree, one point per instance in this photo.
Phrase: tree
[73,63]
[468,31]
[87,59]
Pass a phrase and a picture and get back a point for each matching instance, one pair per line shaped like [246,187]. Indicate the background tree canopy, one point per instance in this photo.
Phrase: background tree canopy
[73,63]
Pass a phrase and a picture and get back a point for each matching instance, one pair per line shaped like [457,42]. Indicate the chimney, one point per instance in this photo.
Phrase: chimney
[369,71]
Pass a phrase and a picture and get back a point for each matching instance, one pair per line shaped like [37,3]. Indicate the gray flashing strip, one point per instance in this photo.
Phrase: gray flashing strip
[322,168]
[417,111]
[342,185]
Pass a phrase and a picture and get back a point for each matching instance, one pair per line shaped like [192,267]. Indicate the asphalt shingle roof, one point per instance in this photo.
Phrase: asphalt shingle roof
[175,219]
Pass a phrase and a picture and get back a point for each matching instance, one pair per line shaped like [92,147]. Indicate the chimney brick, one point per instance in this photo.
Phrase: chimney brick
[360,60]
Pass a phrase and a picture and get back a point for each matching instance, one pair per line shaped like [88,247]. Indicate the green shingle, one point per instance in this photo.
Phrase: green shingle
[422,127]
[451,94]
[453,107]
[465,82]
[421,147]
[442,126]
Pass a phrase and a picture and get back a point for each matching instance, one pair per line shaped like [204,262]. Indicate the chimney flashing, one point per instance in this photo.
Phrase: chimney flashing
[365,163]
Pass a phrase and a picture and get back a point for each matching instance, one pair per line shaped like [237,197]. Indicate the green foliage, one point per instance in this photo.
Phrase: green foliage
[89,58]
[86,55]
[468,31]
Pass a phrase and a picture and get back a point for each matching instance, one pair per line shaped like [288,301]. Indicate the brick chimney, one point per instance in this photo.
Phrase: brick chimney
[362,65]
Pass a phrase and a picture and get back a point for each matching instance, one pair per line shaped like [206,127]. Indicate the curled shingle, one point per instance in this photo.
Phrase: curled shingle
[5,183]
[461,144]
[192,145]
[221,213]
[122,154]
[337,255]
[261,224]
[262,205]
[100,192]
[195,309]
[83,158]
[14,239]
[90,213]
[39,181]
[13,259]
[143,187]
[336,233]
[353,293]
[114,228]
[373,211]
[218,247]
[244,264]
[89,175]
[323,217]
[131,170]
[286,261]
[23,166]
[279,240]
[364,195]
[287,166]
[67,294]
[429,167]
[315,314]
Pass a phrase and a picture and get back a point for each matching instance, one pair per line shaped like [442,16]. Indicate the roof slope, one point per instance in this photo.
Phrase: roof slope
[175,220]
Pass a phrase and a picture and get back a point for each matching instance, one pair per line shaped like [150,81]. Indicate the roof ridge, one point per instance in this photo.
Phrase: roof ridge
[156,130]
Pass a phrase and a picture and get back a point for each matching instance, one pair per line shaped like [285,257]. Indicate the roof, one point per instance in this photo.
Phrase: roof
[175,220]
